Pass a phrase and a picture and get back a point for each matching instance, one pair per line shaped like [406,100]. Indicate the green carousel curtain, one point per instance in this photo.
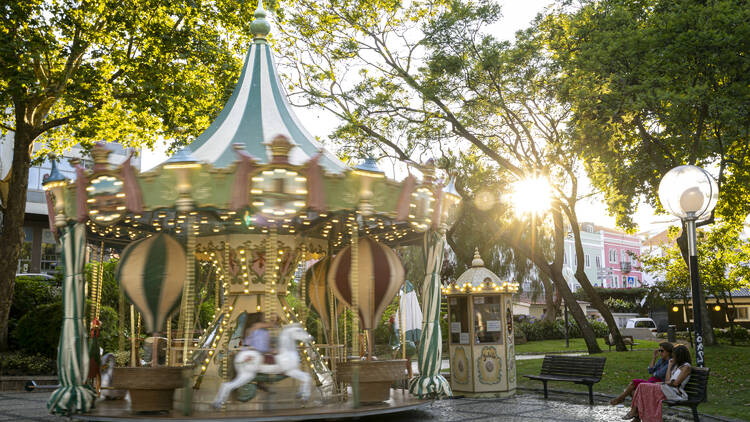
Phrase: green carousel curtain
[73,395]
[430,382]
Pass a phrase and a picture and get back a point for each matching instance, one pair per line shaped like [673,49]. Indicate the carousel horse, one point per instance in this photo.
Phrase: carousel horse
[248,363]
[108,366]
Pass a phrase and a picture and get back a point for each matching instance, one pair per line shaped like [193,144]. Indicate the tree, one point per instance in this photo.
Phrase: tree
[653,85]
[725,259]
[722,262]
[424,79]
[131,72]
[480,221]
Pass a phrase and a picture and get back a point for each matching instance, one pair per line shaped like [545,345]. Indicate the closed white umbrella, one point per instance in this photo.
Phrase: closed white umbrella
[412,314]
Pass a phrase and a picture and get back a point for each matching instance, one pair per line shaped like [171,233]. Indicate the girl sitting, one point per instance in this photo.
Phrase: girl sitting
[648,397]
[657,369]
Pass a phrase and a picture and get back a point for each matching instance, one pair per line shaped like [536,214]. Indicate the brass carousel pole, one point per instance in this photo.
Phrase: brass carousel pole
[270,274]
[354,276]
[188,291]
[132,337]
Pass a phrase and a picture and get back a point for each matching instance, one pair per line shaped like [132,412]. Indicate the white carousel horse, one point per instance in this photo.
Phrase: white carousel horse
[248,363]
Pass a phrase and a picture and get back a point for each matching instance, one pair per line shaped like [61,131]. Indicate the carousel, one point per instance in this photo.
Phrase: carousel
[282,228]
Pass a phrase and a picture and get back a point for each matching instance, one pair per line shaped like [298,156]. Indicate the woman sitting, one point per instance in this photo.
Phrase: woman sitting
[648,397]
[657,369]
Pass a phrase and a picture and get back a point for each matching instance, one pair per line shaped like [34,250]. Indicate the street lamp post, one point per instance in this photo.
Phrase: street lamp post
[690,193]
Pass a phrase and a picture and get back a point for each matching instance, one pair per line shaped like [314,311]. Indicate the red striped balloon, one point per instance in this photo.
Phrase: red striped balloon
[381,274]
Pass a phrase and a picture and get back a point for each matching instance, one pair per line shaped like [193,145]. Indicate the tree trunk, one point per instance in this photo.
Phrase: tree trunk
[708,331]
[562,286]
[11,236]
[583,279]
[730,316]
[553,303]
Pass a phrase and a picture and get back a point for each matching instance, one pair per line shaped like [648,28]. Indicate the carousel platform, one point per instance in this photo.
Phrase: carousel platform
[119,410]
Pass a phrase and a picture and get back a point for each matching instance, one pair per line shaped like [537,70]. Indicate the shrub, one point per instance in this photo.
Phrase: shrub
[740,333]
[206,313]
[30,292]
[38,332]
[16,363]
[551,330]
[620,305]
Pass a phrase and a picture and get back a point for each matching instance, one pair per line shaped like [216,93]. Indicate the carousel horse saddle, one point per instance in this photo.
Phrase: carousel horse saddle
[269,359]
[248,391]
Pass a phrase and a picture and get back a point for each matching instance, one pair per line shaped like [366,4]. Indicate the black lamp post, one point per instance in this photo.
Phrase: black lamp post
[690,193]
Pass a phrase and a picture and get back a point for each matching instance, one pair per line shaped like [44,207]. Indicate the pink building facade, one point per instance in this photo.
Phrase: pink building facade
[620,256]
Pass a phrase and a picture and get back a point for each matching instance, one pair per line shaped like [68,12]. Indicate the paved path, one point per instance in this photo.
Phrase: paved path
[525,406]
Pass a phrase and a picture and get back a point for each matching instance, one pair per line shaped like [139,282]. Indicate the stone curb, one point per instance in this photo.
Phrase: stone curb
[682,412]
[17,382]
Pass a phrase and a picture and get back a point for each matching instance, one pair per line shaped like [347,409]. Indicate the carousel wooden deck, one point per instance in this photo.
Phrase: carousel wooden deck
[119,410]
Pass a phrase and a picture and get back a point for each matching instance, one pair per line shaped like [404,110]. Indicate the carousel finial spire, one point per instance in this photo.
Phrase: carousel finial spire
[477,261]
[260,26]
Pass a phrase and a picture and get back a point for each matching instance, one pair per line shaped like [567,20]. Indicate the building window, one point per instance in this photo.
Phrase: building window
[50,253]
[613,256]
[624,256]
[598,261]
[742,313]
[587,260]
[615,281]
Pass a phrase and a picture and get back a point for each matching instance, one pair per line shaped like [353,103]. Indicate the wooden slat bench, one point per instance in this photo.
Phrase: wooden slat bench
[696,388]
[576,369]
[628,340]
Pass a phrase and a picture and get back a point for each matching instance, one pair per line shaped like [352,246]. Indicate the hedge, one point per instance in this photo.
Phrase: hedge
[551,330]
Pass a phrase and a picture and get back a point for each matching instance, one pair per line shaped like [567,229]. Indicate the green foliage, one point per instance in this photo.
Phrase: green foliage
[122,358]
[128,72]
[206,313]
[722,254]
[38,332]
[620,305]
[412,258]
[435,83]
[740,333]
[631,295]
[382,333]
[550,330]
[18,363]
[108,334]
[652,85]
[29,293]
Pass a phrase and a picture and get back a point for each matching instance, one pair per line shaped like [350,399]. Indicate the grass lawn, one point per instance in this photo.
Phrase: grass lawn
[728,385]
[576,345]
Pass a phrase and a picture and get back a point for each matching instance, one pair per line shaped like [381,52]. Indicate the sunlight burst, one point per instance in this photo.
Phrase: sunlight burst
[531,196]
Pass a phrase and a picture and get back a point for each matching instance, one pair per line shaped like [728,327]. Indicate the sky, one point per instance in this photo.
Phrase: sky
[517,15]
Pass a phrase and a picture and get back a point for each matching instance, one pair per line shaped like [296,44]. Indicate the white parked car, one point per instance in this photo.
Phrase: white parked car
[641,323]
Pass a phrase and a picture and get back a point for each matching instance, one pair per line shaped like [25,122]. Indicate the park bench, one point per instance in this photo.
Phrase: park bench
[609,341]
[696,390]
[576,369]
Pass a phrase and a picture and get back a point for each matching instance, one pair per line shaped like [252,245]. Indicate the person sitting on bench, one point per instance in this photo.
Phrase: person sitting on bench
[648,397]
[657,369]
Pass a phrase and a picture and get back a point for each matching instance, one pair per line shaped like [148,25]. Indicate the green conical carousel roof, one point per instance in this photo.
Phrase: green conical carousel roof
[257,111]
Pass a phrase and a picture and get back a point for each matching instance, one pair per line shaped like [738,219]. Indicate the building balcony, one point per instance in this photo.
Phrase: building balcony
[625,266]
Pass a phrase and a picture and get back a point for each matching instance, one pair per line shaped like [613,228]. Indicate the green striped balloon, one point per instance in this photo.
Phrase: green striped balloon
[151,272]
